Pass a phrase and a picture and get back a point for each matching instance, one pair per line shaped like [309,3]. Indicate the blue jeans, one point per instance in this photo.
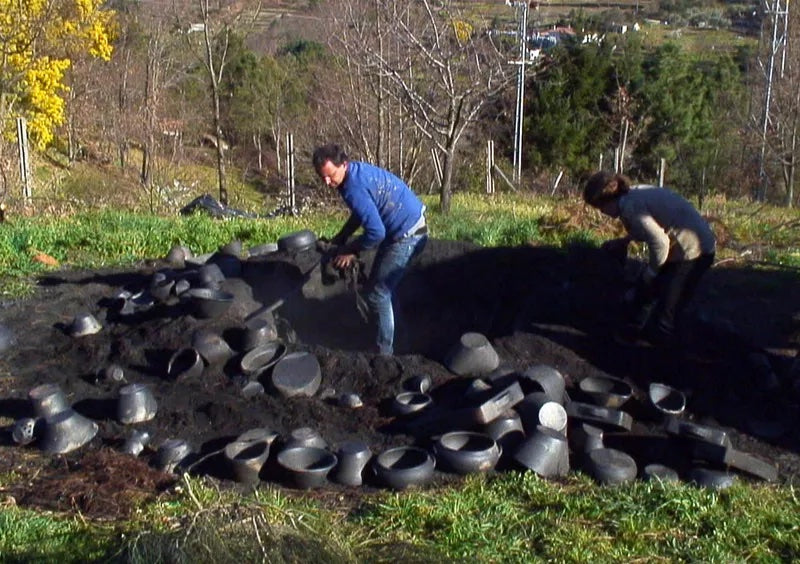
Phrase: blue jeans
[388,269]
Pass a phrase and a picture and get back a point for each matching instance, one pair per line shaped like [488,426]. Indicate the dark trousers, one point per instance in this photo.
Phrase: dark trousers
[659,308]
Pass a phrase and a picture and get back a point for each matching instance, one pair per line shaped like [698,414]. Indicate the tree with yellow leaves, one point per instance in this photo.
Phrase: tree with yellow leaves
[37,39]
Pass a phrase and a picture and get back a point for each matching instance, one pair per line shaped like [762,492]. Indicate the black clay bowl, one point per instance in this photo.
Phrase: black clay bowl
[544,452]
[48,400]
[406,403]
[554,416]
[353,458]
[507,430]
[211,346]
[258,332]
[67,431]
[606,391]
[177,256]
[185,364]
[611,466]
[659,473]
[210,275]
[246,458]
[544,378]
[403,467]
[258,434]
[84,324]
[473,355]
[261,250]
[305,437]
[297,241]
[465,452]
[162,289]
[262,357]
[307,467]
[419,383]
[136,404]
[297,374]
[24,431]
[171,453]
[710,478]
[666,399]
[208,303]
[136,442]
[234,248]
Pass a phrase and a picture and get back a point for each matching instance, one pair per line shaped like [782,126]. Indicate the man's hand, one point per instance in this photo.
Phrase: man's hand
[343,262]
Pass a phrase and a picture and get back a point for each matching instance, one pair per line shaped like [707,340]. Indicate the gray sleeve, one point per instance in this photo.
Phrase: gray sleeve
[642,227]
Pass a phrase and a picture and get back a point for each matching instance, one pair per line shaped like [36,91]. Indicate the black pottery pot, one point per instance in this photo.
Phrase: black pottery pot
[136,404]
[611,466]
[466,452]
[544,451]
[406,403]
[606,391]
[297,374]
[353,457]
[246,459]
[297,241]
[67,431]
[306,467]
[258,359]
[48,400]
[211,346]
[185,364]
[403,467]
[208,303]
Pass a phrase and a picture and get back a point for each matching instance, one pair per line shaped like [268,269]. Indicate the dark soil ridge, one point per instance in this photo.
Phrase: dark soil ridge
[537,305]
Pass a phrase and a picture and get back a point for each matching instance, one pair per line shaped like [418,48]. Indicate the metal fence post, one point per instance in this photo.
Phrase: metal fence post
[24,159]
[290,172]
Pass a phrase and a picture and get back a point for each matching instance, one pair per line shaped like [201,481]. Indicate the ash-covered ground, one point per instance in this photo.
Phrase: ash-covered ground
[536,305]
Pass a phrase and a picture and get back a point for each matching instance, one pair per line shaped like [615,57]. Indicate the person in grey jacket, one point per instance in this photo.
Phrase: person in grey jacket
[680,245]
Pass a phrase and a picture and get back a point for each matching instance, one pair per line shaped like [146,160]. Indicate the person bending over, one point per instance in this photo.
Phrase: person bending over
[393,222]
[680,244]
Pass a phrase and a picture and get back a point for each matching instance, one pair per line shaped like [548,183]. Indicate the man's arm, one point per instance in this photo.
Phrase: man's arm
[346,231]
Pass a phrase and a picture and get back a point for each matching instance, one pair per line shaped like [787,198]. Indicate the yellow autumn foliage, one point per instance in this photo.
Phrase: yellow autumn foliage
[38,41]
[463,30]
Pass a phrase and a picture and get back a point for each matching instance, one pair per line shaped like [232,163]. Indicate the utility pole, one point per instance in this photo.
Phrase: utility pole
[522,37]
[779,14]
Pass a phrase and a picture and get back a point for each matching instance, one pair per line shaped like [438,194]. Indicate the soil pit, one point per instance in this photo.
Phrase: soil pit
[536,305]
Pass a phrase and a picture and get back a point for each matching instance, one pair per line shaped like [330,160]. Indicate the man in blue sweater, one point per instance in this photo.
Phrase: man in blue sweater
[393,222]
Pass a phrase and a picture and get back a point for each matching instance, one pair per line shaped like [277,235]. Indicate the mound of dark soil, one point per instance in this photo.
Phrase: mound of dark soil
[537,305]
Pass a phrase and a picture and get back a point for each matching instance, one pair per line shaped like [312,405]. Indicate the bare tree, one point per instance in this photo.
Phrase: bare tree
[776,115]
[218,20]
[437,68]
[787,109]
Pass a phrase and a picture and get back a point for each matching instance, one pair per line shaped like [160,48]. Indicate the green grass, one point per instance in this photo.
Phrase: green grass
[109,237]
[509,517]
[30,536]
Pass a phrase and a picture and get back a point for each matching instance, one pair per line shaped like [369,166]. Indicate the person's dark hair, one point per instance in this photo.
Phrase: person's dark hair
[602,187]
[333,153]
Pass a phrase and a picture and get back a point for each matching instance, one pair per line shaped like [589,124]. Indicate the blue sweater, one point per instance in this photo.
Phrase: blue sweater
[383,204]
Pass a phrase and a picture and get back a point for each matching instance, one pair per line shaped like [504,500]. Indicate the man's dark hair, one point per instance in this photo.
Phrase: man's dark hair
[333,153]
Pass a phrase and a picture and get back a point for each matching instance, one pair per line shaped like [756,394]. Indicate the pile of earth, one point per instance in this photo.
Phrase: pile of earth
[537,305]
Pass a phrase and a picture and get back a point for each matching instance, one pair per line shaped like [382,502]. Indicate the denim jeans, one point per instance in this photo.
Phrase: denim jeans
[388,269]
